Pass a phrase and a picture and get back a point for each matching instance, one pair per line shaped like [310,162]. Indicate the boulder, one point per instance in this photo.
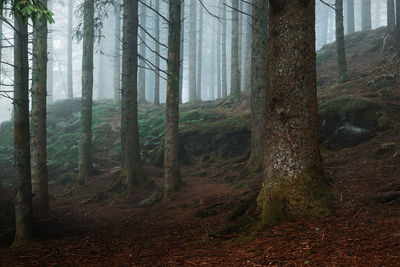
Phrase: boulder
[348,135]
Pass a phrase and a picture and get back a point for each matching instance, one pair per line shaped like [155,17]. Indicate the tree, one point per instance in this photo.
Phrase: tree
[117,58]
[235,80]
[294,185]
[70,86]
[100,72]
[340,45]
[182,50]
[224,74]
[219,54]
[172,178]
[50,63]
[200,55]
[248,41]
[240,43]
[85,146]
[391,21]
[350,17]
[131,167]
[192,53]
[142,55]
[378,13]
[366,15]
[1,41]
[24,230]
[157,59]
[39,130]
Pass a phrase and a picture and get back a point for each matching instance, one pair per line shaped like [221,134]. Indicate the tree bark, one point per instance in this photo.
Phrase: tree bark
[192,53]
[200,55]
[24,230]
[142,53]
[100,71]
[378,13]
[157,58]
[1,43]
[117,59]
[294,185]
[248,42]
[240,44]
[70,85]
[219,54]
[224,73]
[85,149]
[235,80]
[131,167]
[391,21]
[351,28]
[50,63]
[172,177]
[39,130]
[182,50]
[340,45]
[366,15]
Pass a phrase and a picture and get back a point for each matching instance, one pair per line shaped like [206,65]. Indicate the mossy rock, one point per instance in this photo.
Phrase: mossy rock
[385,151]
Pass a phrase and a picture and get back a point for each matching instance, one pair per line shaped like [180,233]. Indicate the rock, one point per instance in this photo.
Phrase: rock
[348,136]
[385,151]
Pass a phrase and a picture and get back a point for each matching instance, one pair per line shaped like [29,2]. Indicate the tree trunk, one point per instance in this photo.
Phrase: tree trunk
[248,42]
[1,43]
[340,45]
[157,58]
[259,82]
[100,71]
[172,177]
[219,54]
[240,44]
[39,130]
[211,69]
[85,149]
[117,59]
[224,73]
[200,55]
[366,15]
[182,50]
[294,185]
[24,230]
[351,28]
[50,62]
[391,21]
[131,167]
[192,53]
[378,13]
[70,85]
[325,26]
[142,53]
[235,86]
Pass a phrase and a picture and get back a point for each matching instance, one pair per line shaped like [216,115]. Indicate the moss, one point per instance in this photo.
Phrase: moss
[290,199]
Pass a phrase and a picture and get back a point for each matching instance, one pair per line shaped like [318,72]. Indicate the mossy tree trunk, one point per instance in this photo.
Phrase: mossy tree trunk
[24,230]
[351,28]
[131,167]
[70,86]
[294,185]
[259,80]
[117,58]
[142,53]
[366,23]
[39,130]
[172,177]
[192,53]
[85,146]
[200,55]
[157,59]
[340,45]
[235,79]
[224,72]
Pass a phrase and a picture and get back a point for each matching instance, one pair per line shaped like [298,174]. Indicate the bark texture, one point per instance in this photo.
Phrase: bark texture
[294,185]
[24,231]
[192,53]
[366,23]
[39,130]
[70,86]
[172,177]
[85,146]
[235,74]
[131,167]
[340,45]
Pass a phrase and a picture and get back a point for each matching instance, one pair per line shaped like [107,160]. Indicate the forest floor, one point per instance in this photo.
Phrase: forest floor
[190,228]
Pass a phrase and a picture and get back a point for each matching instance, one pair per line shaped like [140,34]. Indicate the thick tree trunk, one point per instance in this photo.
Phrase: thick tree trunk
[24,231]
[117,59]
[294,186]
[235,81]
[85,149]
[259,82]
[70,85]
[131,167]
[366,15]
[50,63]
[340,45]
[182,50]
[351,28]
[247,51]
[224,72]
[157,58]
[192,53]
[39,130]
[172,177]
[142,53]
[200,55]
[219,54]
[391,21]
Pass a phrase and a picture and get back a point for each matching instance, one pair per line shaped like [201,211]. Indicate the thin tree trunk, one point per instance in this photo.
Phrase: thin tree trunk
[70,85]
[85,161]
[100,72]
[224,72]
[219,54]
[50,63]
[248,42]
[351,28]
[192,53]
[340,45]
[366,15]
[212,67]
[157,58]
[240,44]
[131,167]
[200,55]
[235,86]
[182,50]
[1,43]
[142,53]
[172,177]
[24,230]
[325,26]
[39,130]
[294,186]
[391,21]
[117,58]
